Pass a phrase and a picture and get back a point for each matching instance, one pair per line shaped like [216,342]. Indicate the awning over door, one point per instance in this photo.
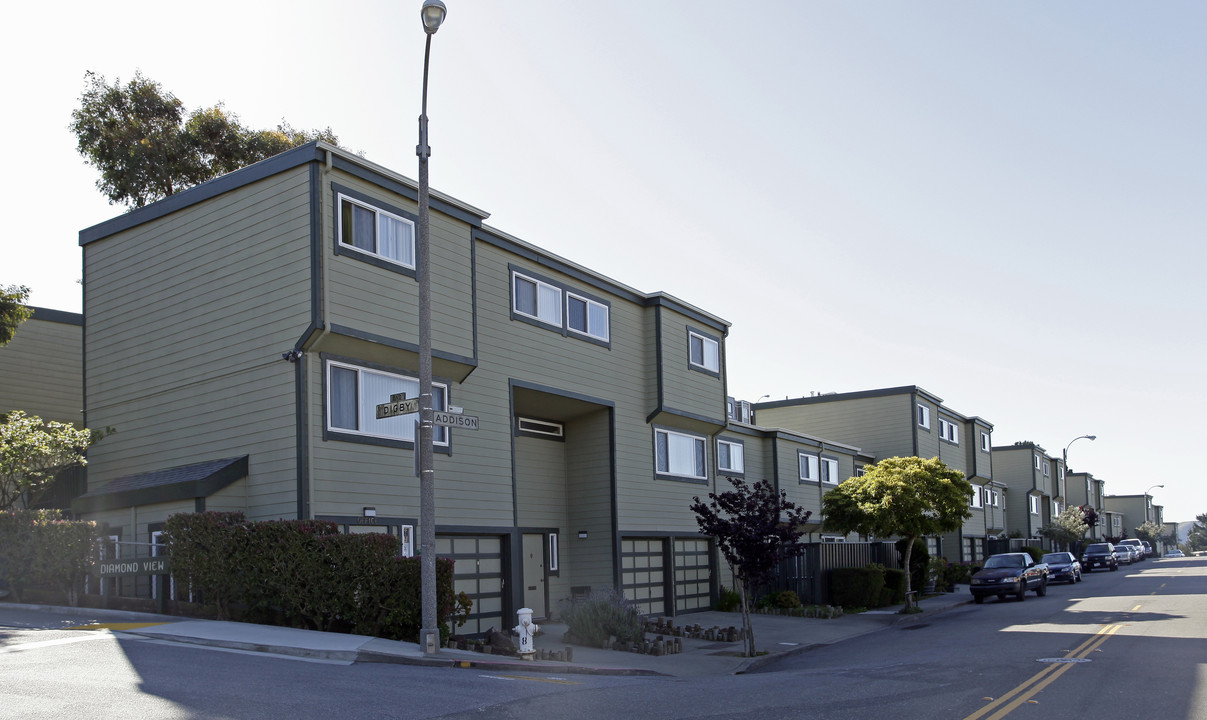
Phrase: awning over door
[184,482]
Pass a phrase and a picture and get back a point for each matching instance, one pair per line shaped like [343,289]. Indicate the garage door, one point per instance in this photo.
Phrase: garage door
[478,572]
[693,573]
[641,574]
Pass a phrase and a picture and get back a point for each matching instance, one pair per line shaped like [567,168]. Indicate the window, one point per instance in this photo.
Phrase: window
[1036,462]
[1047,469]
[540,427]
[949,431]
[829,471]
[985,442]
[859,471]
[923,416]
[704,352]
[1060,471]
[552,552]
[809,467]
[1055,508]
[537,299]
[1034,500]
[833,538]
[586,316]
[376,231]
[731,456]
[975,500]
[406,536]
[995,498]
[680,455]
[353,394]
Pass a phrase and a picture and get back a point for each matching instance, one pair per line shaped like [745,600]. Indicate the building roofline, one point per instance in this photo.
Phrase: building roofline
[879,392]
[56,316]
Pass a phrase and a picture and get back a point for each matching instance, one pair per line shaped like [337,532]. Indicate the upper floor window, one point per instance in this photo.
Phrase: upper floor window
[586,316]
[985,441]
[680,454]
[731,456]
[949,431]
[809,467]
[975,499]
[1060,471]
[1034,502]
[376,231]
[994,498]
[354,392]
[829,471]
[1036,462]
[703,351]
[1055,508]
[537,299]
[1047,469]
[923,416]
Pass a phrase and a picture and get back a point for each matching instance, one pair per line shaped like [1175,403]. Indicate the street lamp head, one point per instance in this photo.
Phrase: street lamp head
[432,13]
[1092,437]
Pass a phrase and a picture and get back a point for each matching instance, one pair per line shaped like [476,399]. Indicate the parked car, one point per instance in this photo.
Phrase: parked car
[1174,554]
[1135,543]
[1009,574]
[1148,548]
[1099,555]
[1125,554]
[1063,566]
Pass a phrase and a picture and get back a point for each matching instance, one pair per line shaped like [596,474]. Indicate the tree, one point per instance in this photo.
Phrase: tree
[136,135]
[1091,515]
[756,528]
[13,311]
[1151,532]
[900,496]
[32,452]
[1066,528]
[1196,539]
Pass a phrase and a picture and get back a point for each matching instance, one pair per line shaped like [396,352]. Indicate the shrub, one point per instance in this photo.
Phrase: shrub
[729,600]
[856,587]
[894,587]
[603,613]
[786,600]
[38,548]
[958,573]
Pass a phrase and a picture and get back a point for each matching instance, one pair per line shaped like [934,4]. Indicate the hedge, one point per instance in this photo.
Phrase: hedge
[856,587]
[39,548]
[304,573]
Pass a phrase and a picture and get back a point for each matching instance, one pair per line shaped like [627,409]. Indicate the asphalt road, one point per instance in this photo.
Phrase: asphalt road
[1128,644]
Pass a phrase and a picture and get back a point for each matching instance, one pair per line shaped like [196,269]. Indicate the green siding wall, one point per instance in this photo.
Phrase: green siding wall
[41,373]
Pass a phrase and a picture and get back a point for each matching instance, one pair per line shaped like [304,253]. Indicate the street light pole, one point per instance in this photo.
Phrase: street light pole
[1147,503]
[1065,455]
[432,14]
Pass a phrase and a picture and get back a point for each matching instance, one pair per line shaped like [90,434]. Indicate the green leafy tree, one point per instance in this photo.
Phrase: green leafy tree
[32,452]
[1066,528]
[1196,539]
[756,528]
[137,136]
[13,311]
[1152,532]
[900,496]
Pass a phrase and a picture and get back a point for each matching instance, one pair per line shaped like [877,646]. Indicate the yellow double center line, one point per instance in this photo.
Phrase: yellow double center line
[1040,680]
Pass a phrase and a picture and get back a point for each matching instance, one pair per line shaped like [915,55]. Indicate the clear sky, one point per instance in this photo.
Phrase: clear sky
[1004,203]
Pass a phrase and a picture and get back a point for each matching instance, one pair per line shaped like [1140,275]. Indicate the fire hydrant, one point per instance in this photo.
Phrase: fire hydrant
[527,630]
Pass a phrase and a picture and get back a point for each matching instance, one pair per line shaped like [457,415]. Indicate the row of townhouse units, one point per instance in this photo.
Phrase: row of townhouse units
[240,335]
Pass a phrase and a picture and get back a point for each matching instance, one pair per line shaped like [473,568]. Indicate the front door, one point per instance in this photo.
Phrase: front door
[534,574]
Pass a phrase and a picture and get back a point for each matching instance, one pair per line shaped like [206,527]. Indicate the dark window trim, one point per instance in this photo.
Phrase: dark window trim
[803,453]
[727,471]
[699,368]
[330,434]
[563,329]
[678,478]
[356,253]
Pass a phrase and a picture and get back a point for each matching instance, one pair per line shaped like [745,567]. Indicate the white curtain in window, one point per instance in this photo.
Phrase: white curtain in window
[395,239]
[598,315]
[549,304]
[376,388]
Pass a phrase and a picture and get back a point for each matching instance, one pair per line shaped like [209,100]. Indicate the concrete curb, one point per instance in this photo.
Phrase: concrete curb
[376,656]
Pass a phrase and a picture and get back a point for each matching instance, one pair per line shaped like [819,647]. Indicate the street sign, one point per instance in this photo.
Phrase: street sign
[453,420]
[395,408]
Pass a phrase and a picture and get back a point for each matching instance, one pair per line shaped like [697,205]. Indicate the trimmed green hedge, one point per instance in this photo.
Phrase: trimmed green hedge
[856,587]
[304,573]
[40,549]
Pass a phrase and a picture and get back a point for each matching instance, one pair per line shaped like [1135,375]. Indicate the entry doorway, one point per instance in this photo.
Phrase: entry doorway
[534,574]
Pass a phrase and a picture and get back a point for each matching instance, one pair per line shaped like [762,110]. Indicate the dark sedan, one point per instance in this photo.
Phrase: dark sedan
[1063,566]
[1099,555]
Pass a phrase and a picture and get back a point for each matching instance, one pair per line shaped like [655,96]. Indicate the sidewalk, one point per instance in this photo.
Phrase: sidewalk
[778,636]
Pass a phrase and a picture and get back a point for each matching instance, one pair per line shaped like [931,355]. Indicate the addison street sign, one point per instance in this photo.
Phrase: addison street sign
[133,567]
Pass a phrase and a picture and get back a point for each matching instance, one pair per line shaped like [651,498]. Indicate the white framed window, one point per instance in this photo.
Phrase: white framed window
[985,442]
[680,454]
[949,431]
[829,471]
[536,299]
[1047,469]
[1060,471]
[586,316]
[1034,501]
[540,427]
[859,471]
[995,498]
[354,392]
[1036,462]
[1055,508]
[833,538]
[975,500]
[923,416]
[809,467]
[731,456]
[703,352]
[553,552]
[376,231]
